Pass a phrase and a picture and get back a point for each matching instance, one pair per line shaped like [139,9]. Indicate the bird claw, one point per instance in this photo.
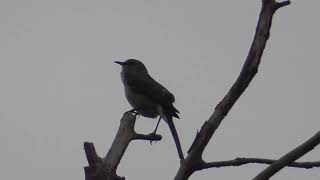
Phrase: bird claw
[153,134]
[151,142]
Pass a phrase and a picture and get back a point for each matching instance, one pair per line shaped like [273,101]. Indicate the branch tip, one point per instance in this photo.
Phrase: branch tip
[91,153]
[281,4]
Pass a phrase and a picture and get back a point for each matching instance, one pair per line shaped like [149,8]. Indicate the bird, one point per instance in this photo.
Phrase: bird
[148,97]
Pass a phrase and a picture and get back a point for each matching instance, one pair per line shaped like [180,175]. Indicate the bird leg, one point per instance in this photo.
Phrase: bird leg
[155,130]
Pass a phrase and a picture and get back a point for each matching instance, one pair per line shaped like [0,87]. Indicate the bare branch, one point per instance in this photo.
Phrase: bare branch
[249,69]
[281,4]
[91,154]
[150,137]
[243,161]
[105,168]
[289,157]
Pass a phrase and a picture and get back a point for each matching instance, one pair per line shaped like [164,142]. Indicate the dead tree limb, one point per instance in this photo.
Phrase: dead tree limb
[194,159]
[105,168]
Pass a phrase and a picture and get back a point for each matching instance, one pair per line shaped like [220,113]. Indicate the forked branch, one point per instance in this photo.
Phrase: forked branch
[105,168]
[249,70]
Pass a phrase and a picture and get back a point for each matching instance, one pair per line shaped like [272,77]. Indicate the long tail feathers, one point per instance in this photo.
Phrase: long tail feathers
[174,134]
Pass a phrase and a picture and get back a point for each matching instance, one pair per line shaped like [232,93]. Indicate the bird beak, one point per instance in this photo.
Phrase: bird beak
[118,62]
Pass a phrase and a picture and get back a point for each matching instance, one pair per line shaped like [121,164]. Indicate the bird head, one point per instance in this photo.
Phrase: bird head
[132,65]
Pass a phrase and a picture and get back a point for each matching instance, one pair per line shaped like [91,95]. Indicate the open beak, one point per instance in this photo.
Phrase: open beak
[118,62]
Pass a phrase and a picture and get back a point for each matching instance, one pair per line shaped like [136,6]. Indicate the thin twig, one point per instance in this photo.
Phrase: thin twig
[243,161]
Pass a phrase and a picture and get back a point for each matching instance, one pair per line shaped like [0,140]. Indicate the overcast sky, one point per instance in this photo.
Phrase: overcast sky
[60,87]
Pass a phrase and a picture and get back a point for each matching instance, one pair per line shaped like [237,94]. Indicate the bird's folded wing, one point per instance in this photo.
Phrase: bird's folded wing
[147,86]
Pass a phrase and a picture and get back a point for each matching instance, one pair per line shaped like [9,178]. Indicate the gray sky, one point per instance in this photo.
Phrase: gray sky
[60,87]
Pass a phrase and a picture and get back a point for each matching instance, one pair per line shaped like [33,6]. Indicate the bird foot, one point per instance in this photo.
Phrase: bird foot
[135,112]
[153,134]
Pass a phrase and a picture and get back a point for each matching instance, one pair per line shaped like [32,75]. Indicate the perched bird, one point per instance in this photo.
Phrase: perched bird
[149,98]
